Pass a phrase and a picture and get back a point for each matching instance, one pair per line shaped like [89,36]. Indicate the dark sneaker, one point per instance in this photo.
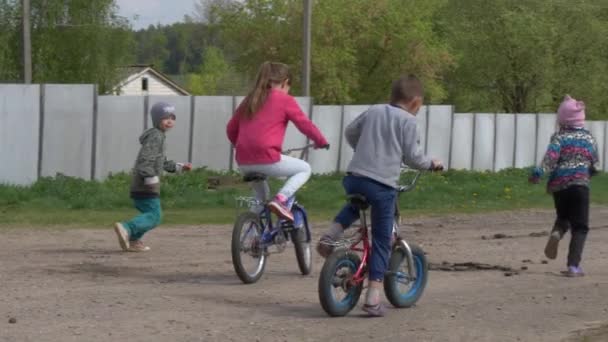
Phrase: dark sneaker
[123,236]
[280,209]
[573,272]
[552,245]
[325,246]
[378,310]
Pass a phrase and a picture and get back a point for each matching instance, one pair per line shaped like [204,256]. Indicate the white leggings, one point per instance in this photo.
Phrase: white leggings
[296,169]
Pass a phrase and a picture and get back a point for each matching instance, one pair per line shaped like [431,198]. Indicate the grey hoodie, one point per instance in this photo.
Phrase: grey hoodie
[151,160]
[383,137]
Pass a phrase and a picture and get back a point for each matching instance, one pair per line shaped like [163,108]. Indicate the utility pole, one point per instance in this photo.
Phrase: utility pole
[306,38]
[27,42]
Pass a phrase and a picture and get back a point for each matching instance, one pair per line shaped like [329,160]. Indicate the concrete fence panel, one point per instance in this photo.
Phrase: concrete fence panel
[505,141]
[421,119]
[210,145]
[605,143]
[598,130]
[19,133]
[293,137]
[439,133]
[525,140]
[462,141]
[346,151]
[329,121]
[483,156]
[546,128]
[67,134]
[119,125]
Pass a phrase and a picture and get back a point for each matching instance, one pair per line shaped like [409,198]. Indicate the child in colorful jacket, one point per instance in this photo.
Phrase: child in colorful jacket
[571,159]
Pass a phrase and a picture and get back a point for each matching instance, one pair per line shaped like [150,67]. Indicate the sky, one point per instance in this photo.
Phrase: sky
[152,12]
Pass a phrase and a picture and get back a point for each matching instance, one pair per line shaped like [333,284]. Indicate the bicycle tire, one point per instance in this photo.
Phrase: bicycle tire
[236,249]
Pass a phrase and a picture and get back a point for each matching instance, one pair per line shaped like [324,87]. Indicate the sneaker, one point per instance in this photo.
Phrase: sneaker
[574,271]
[325,246]
[123,236]
[280,209]
[378,310]
[552,245]
[138,246]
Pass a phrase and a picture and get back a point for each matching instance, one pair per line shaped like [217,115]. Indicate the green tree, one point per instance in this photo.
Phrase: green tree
[523,56]
[213,76]
[359,46]
[580,57]
[76,41]
[151,47]
[79,41]
[9,40]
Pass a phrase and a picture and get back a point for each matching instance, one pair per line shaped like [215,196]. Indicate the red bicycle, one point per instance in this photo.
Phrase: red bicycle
[345,270]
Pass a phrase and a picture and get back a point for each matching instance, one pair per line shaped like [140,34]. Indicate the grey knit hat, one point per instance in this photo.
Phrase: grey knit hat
[161,110]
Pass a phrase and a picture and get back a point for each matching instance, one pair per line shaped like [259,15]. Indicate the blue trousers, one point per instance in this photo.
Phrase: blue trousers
[149,217]
[382,201]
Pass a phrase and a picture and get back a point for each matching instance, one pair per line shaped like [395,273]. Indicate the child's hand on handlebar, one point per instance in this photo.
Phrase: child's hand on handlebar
[184,167]
[436,165]
[323,147]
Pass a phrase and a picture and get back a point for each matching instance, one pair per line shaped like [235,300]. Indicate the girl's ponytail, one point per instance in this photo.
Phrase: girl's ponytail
[268,74]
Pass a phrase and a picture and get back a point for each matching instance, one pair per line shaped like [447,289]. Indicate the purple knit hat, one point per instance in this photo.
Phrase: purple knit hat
[571,112]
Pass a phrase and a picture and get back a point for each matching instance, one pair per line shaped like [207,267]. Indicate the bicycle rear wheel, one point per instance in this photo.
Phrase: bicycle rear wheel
[248,259]
[337,294]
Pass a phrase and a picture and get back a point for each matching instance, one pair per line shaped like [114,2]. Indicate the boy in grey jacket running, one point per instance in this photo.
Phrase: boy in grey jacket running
[145,184]
[383,137]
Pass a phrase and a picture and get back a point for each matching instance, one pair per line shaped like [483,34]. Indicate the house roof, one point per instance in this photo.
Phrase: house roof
[131,72]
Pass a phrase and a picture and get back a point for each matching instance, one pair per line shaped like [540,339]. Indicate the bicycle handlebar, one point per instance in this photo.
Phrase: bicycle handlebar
[304,150]
[295,149]
[412,184]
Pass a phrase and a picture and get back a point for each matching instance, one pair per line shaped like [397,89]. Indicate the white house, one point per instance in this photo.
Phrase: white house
[145,80]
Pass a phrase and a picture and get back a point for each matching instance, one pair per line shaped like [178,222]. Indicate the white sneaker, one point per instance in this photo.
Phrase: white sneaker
[123,236]
[138,246]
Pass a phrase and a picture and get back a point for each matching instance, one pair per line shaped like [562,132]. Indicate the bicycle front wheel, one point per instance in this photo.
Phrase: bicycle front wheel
[303,250]
[400,288]
[248,258]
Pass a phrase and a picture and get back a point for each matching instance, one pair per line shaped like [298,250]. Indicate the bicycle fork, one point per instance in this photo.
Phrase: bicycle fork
[409,255]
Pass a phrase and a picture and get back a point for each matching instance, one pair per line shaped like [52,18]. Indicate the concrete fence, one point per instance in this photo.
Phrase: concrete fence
[49,129]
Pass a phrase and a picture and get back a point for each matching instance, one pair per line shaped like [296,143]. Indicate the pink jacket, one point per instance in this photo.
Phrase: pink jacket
[259,140]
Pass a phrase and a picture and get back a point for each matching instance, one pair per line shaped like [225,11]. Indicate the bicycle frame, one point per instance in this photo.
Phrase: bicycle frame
[365,249]
[266,216]
[359,276]
[267,224]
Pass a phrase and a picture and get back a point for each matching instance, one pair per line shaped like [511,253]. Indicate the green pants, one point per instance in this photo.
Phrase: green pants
[149,218]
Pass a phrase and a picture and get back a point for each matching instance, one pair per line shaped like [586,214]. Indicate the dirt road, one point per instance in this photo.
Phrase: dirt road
[75,285]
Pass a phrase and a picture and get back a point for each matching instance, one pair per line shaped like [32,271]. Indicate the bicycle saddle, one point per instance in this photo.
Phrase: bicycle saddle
[254,177]
[358,201]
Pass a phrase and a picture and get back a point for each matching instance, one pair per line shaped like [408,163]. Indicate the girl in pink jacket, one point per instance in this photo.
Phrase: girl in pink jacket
[257,130]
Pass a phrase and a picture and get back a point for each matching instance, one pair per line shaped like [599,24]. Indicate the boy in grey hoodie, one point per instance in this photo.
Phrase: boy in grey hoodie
[145,184]
[383,137]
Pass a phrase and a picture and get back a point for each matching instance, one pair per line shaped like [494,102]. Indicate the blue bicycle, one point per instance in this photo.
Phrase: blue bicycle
[255,236]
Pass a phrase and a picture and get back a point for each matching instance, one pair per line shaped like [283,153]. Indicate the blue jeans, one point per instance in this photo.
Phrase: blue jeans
[382,201]
[150,217]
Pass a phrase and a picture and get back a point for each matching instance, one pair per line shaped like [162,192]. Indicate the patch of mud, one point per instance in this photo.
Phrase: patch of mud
[471,266]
